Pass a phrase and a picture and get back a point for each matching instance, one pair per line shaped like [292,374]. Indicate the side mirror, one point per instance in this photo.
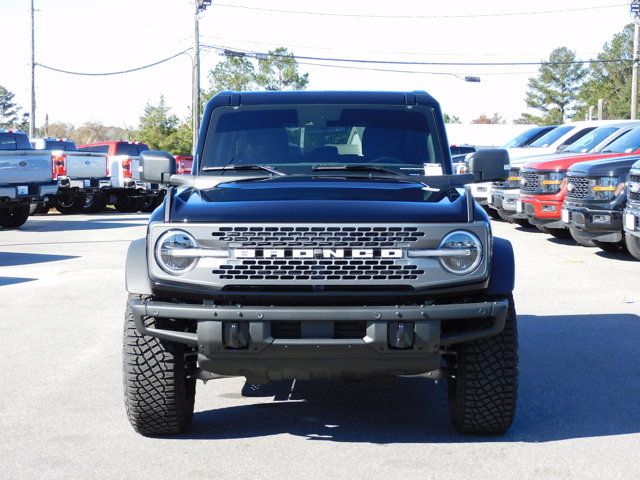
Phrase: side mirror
[156,166]
[489,165]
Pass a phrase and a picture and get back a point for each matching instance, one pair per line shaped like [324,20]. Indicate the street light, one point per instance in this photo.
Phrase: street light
[201,6]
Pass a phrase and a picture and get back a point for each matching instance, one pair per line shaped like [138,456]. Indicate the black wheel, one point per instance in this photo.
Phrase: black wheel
[561,233]
[150,203]
[523,222]
[68,205]
[41,208]
[493,213]
[580,238]
[14,217]
[128,204]
[484,389]
[633,245]
[158,392]
[505,215]
[618,247]
[94,202]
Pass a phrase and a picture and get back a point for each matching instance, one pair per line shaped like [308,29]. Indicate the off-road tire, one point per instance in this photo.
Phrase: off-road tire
[14,217]
[69,205]
[94,203]
[580,238]
[506,216]
[493,213]
[523,222]
[618,248]
[128,204]
[483,394]
[633,245]
[150,204]
[158,393]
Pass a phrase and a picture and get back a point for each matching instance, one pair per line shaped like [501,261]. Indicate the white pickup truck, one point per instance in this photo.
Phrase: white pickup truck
[82,176]
[26,175]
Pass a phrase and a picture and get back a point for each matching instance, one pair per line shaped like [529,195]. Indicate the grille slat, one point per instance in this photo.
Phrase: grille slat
[634,197]
[578,187]
[530,182]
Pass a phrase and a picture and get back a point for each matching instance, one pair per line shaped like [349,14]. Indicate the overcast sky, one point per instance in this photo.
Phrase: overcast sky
[113,35]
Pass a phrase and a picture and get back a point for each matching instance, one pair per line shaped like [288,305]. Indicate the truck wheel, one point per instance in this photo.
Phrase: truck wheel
[484,389]
[580,238]
[492,213]
[69,205]
[94,202]
[128,204]
[150,203]
[618,247]
[158,394]
[543,229]
[14,217]
[633,245]
[506,216]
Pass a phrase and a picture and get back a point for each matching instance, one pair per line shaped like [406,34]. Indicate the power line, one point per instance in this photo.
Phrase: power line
[244,53]
[414,17]
[120,72]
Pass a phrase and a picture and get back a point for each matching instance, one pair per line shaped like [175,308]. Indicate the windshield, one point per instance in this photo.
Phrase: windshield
[60,145]
[130,149]
[551,137]
[591,140]
[527,137]
[628,143]
[296,138]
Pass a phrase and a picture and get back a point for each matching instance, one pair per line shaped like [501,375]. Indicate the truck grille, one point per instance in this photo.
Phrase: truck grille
[580,188]
[296,237]
[316,269]
[634,196]
[530,182]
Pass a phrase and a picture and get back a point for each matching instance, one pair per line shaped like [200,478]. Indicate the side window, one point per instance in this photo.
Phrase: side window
[575,137]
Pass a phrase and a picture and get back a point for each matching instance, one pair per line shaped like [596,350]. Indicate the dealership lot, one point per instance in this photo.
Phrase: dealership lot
[61,407]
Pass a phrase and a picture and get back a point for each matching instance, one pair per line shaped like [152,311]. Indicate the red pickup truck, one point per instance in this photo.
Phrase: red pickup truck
[543,185]
[183,164]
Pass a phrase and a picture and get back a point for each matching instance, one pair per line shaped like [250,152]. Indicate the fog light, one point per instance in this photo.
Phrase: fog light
[235,335]
[548,208]
[400,335]
[601,218]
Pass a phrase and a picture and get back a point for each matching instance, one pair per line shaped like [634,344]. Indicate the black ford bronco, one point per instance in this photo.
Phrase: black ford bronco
[321,235]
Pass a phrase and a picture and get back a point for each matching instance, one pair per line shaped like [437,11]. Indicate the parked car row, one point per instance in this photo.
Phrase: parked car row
[43,173]
[588,191]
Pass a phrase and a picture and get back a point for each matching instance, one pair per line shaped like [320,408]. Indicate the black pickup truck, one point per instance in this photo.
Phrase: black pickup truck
[321,235]
[631,219]
[595,201]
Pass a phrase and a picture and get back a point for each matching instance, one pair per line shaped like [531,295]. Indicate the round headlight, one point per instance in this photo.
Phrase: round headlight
[171,249]
[464,242]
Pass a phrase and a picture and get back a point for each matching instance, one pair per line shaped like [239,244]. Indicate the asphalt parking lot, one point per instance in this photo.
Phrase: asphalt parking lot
[61,408]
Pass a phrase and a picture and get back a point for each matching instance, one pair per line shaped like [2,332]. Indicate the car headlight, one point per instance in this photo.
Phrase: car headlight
[607,187]
[551,181]
[461,264]
[168,252]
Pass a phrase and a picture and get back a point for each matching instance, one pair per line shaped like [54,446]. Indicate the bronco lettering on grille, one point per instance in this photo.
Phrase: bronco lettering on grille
[326,253]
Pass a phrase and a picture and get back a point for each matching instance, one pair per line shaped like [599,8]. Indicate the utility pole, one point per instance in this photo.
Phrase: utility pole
[201,6]
[634,7]
[32,120]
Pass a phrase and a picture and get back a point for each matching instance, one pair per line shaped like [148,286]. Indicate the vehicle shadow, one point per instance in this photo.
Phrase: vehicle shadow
[12,259]
[579,377]
[44,225]
[622,256]
[5,281]
[562,241]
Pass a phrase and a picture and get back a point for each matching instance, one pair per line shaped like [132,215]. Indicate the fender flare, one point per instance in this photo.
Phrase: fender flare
[503,268]
[136,269]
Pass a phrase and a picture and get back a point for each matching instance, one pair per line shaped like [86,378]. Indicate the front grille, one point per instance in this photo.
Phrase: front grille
[294,237]
[634,197]
[317,269]
[530,182]
[578,187]
[512,182]
[341,330]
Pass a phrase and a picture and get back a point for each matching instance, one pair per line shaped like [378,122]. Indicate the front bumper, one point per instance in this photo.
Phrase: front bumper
[504,199]
[316,353]
[545,212]
[481,192]
[608,228]
[84,184]
[631,221]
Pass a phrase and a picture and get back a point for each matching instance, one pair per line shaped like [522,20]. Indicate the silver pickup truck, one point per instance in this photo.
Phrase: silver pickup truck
[26,176]
[83,176]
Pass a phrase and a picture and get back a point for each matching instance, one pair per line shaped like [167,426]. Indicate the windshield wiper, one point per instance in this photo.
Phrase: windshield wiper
[354,168]
[265,168]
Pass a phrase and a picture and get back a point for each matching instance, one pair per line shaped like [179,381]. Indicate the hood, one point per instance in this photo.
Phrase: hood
[298,199]
[612,166]
[566,161]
